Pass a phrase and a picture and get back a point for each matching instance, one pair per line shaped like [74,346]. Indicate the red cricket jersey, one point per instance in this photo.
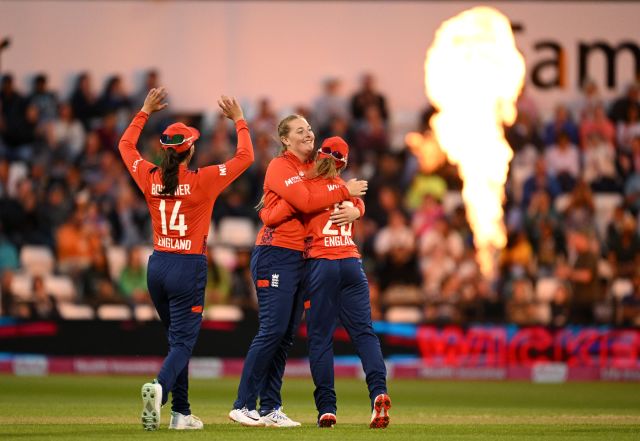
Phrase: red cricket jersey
[284,181]
[323,240]
[181,221]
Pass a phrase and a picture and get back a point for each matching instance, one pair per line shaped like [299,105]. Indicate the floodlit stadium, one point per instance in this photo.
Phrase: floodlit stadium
[215,208]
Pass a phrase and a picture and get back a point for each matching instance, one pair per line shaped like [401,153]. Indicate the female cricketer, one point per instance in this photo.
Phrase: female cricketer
[335,287]
[180,202]
[276,266]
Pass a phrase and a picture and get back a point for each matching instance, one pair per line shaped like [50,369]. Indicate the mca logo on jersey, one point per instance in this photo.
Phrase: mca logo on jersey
[292,180]
[275,280]
[134,166]
[223,170]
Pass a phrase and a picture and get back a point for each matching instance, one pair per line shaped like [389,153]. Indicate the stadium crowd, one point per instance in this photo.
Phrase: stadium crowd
[74,229]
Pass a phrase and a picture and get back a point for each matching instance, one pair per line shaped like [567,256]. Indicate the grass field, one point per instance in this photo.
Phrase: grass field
[74,408]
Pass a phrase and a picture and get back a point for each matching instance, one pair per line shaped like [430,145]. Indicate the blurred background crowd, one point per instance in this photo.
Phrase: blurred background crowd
[75,232]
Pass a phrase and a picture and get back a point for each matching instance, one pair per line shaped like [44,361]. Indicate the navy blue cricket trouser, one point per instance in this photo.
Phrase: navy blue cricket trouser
[176,283]
[339,289]
[277,273]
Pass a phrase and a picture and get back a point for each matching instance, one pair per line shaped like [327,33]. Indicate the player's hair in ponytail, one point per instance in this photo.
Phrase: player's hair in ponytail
[283,130]
[326,168]
[169,166]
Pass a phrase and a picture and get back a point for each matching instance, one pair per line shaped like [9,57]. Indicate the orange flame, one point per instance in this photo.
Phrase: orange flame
[473,75]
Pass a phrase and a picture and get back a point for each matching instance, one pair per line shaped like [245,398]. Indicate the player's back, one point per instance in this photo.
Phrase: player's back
[181,221]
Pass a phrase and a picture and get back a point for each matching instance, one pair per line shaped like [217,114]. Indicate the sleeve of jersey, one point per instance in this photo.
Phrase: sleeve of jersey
[277,214]
[137,166]
[359,204]
[225,174]
[284,180]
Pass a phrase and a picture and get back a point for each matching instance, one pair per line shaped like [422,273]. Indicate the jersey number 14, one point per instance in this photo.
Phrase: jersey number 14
[180,226]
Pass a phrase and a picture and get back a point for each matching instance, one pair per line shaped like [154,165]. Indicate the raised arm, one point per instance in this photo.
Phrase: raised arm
[225,174]
[137,166]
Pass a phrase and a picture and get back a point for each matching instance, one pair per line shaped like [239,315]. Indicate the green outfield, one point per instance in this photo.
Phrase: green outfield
[73,408]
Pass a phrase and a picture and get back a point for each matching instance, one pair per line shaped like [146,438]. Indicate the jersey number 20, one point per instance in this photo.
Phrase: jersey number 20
[181,226]
[345,230]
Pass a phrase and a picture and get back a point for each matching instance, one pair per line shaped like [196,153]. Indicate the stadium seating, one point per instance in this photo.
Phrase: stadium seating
[72,311]
[37,260]
[114,312]
[236,232]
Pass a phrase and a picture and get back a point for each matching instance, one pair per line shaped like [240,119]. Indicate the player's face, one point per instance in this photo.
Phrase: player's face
[300,138]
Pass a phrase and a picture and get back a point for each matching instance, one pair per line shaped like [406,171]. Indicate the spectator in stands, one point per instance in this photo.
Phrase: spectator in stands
[12,113]
[396,233]
[113,98]
[541,180]
[399,277]
[521,309]
[366,97]
[83,101]
[628,129]
[43,99]
[8,253]
[74,245]
[151,81]
[589,100]
[595,122]
[517,259]
[57,206]
[243,291]
[563,161]
[108,133]
[96,284]
[599,164]
[624,249]
[619,110]
[266,119]
[218,289]
[371,136]
[581,209]
[583,276]
[330,105]
[424,219]
[66,135]
[562,123]
[133,279]
[630,305]
[560,309]
[443,309]
[523,134]
[43,305]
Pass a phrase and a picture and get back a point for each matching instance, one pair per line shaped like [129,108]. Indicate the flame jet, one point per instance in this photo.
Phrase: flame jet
[473,75]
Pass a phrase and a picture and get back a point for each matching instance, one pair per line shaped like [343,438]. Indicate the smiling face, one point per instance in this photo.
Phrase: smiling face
[299,139]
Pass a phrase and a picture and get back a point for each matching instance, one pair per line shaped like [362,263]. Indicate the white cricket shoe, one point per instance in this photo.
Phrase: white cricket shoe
[246,417]
[151,403]
[277,418]
[185,422]
[380,414]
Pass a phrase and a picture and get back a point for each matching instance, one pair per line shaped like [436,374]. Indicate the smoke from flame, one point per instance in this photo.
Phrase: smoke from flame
[473,75]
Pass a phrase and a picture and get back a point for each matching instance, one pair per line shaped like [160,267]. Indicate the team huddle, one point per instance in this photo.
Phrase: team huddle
[304,261]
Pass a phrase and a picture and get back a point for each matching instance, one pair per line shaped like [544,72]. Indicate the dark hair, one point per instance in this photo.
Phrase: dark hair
[169,166]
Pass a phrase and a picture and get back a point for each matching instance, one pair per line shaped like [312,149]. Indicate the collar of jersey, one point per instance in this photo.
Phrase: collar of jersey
[289,155]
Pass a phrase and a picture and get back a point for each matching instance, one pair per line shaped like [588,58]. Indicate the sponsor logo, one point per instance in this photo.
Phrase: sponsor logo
[275,280]
[292,180]
[134,167]
[332,187]
[223,170]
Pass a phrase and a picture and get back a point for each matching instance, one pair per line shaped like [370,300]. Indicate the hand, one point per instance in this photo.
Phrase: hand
[356,187]
[154,100]
[230,108]
[344,215]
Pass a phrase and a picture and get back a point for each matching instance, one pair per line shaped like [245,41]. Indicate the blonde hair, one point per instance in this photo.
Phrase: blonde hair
[326,168]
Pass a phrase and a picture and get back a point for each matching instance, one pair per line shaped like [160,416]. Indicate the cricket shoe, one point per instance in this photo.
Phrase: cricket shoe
[246,417]
[184,422]
[277,418]
[327,420]
[151,403]
[380,414]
